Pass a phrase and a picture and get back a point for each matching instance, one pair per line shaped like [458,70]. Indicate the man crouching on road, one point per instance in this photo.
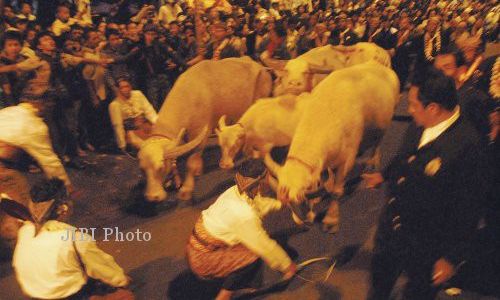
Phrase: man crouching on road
[48,266]
[228,239]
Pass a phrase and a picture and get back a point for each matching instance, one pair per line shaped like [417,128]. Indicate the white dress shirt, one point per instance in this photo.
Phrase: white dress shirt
[22,127]
[234,219]
[432,133]
[121,109]
[47,266]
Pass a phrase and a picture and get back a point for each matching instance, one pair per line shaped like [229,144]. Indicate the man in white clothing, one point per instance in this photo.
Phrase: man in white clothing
[168,13]
[131,115]
[23,130]
[54,260]
[229,240]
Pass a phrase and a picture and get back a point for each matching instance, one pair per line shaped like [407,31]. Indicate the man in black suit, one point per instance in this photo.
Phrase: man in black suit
[427,225]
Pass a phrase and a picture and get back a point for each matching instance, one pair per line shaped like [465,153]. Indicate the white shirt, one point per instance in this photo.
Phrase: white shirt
[168,13]
[59,27]
[120,110]
[47,267]
[83,8]
[432,133]
[234,220]
[21,127]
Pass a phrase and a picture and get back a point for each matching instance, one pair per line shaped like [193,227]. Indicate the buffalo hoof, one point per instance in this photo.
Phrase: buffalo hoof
[330,228]
[184,195]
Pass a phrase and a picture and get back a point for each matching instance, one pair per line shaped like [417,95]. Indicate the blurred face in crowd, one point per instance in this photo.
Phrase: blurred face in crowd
[77,34]
[218,33]
[320,29]
[462,27]
[432,25]
[12,48]
[93,39]
[259,25]
[131,28]
[214,14]
[342,22]
[30,35]
[149,37]
[416,109]
[113,26]
[114,41]
[125,89]
[26,9]
[72,47]
[313,21]
[8,12]
[447,64]
[230,22]
[374,22]
[174,29]
[22,26]
[63,13]
[404,23]
[331,25]
[271,25]
[46,44]
[102,27]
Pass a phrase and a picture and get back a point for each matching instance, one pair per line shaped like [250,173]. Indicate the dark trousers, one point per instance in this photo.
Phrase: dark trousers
[157,89]
[394,254]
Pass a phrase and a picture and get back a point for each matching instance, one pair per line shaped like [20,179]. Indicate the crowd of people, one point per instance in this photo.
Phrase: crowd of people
[90,81]
[87,54]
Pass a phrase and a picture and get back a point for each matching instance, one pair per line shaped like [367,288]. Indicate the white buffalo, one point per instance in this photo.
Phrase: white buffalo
[346,106]
[303,73]
[268,123]
[200,96]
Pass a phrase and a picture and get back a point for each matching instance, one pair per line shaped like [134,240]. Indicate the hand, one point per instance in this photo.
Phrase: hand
[105,61]
[29,64]
[171,65]
[372,180]
[443,271]
[290,272]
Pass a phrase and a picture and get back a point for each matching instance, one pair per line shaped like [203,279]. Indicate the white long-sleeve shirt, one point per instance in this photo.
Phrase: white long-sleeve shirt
[121,109]
[234,220]
[21,127]
[47,266]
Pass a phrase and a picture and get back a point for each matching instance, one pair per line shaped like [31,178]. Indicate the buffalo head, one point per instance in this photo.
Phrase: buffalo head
[157,158]
[231,140]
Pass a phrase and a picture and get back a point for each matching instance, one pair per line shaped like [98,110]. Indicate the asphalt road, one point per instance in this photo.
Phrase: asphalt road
[158,268]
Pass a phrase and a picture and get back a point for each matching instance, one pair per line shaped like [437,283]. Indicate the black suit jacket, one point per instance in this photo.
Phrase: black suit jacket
[436,193]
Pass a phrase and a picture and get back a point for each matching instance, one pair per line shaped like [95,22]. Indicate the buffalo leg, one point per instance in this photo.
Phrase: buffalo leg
[194,168]
[331,220]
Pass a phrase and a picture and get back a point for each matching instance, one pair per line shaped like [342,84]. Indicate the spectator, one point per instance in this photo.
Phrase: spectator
[131,115]
[63,21]
[26,12]
[169,12]
[428,234]
[12,82]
